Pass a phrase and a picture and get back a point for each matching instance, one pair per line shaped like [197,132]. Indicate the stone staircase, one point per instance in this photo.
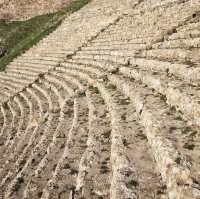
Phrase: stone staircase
[107,106]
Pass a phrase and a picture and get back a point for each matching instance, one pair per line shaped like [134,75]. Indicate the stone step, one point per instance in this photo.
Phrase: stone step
[55,149]
[112,46]
[117,52]
[64,175]
[94,167]
[130,176]
[174,55]
[170,162]
[6,160]
[7,121]
[183,71]
[185,35]
[179,43]
[85,76]
[106,106]
[179,94]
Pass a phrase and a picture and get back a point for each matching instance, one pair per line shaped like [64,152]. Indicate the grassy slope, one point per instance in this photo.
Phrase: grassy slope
[20,36]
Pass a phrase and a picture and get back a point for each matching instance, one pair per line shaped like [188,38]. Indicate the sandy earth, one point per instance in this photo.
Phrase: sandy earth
[24,9]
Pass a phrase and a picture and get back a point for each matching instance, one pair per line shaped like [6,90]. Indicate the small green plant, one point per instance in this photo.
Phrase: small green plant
[19,36]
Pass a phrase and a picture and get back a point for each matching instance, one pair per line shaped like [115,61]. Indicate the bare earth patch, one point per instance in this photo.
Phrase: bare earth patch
[25,9]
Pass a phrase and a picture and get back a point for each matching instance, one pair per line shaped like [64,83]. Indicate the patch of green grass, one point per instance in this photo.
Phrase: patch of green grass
[18,36]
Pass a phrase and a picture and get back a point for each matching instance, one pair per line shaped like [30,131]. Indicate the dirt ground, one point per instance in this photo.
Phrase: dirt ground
[24,9]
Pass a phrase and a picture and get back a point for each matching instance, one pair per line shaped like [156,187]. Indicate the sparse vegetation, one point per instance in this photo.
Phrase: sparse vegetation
[18,36]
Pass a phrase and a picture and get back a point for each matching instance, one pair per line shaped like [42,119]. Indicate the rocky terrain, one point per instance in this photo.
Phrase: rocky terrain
[25,9]
[106,106]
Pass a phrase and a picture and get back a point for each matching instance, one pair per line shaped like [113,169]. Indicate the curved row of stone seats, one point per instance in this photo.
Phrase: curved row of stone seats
[64,174]
[105,58]
[74,25]
[73,129]
[122,156]
[16,75]
[29,111]
[36,61]
[95,161]
[25,71]
[15,119]
[7,119]
[123,193]
[190,75]
[18,141]
[14,182]
[25,119]
[24,103]
[183,71]
[50,59]
[108,58]
[175,91]
[186,32]
[165,149]
[30,66]
[112,120]
[147,24]
[10,88]
[189,27]
[153,4]
[56,141]
[75,31]
[175,190]
[167,90]
[55,148]
[25,142]
[54,183]
[21,139]
[184,43]
[2,120]
[19,130]
[179,55]
[34,140]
